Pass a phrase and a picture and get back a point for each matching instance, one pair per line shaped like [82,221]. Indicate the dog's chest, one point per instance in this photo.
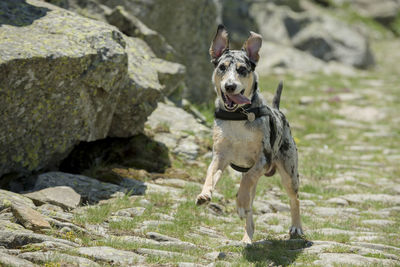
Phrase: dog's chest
[240,143]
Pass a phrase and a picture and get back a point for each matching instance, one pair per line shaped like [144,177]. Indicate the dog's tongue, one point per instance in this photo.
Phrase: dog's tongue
[239,99]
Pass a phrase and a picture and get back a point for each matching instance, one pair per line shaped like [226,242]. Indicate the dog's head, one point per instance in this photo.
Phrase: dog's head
[234,76]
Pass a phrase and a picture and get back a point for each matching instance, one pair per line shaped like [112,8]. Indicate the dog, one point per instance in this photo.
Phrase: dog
[248,135]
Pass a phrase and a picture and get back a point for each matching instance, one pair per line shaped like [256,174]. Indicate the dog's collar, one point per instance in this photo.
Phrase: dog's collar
[242,114]
[239,169]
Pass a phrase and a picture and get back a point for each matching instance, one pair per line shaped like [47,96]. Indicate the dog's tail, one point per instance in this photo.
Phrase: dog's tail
[277,97]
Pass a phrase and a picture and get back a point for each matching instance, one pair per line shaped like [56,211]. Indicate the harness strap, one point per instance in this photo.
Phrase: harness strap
[241,114]
[239,169]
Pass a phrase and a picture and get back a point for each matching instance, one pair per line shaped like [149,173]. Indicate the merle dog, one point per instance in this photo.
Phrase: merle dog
[248,135]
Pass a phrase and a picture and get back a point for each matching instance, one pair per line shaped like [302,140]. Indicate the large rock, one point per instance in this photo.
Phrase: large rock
[322,36]
[176,21]
[132,26]
[62,196]
[14,261]
[8,198]
[69,79]
[177,129]
[61,79]
[384,11]
[17,239]
[140,95]
[239,28]
[111,255]
[277,58]
[29,218]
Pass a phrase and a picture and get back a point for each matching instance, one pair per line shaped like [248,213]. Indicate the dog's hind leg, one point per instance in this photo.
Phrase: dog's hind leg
[214,172]
[287,168]
[245,197]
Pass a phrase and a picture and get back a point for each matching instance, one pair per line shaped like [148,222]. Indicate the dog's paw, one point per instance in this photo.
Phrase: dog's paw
[295,232]
[203,198]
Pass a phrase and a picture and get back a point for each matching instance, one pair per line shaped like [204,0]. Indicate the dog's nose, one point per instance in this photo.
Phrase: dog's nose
[230,87]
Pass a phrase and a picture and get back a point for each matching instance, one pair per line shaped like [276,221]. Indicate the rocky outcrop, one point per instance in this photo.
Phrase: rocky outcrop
[277,58]
[68,79]
[139,96]
[385,11]
[178,130]
[191,45]
[58,86]
[323,37]
[239,28]
[132,26]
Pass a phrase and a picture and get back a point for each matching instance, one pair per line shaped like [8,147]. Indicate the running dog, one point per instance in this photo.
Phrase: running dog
[250,136]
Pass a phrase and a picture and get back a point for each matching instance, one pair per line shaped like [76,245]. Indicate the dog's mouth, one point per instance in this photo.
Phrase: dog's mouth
[232,101]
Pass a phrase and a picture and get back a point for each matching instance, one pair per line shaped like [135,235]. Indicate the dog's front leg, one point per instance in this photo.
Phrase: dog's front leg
[245,197]
[214,172]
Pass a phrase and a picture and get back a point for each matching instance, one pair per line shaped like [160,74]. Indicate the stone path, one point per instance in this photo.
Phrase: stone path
[350,201]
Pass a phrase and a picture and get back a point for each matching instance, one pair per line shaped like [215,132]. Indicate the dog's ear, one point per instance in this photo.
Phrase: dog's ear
[220,43]
[252,46]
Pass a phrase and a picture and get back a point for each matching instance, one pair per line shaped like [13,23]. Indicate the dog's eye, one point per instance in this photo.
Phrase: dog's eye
[222,67]
[242,71]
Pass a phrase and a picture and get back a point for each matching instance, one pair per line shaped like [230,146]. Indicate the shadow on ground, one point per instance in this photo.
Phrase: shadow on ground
[275,251]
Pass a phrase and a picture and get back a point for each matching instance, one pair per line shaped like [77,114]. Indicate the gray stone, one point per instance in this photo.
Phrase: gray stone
[42,257]
[130,212]
[29,217]
[7,215]
[15,239]
[136,239]
[216,255]
[158,189]
[276,228]
[360,198]
[160,237]
[384,12]
[278,206]
[277,58]
[327,211]
[376,246]
[73,82]
[338,201]
[379,222]
[111,255]
[150,223]
[191,46]
[55,212]
[162,253]
[262,207]
[139,97]
[7,198]
[179,183]
[132,26]
[177,134]
[321,36]
[47,245]
[307,203]
[334,259]
[62,196]
[7,225]
[90,189]
[13,261]
[66,225]
[189,264]
[364,114]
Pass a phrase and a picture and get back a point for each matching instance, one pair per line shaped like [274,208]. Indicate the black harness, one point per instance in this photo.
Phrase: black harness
[242,114]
